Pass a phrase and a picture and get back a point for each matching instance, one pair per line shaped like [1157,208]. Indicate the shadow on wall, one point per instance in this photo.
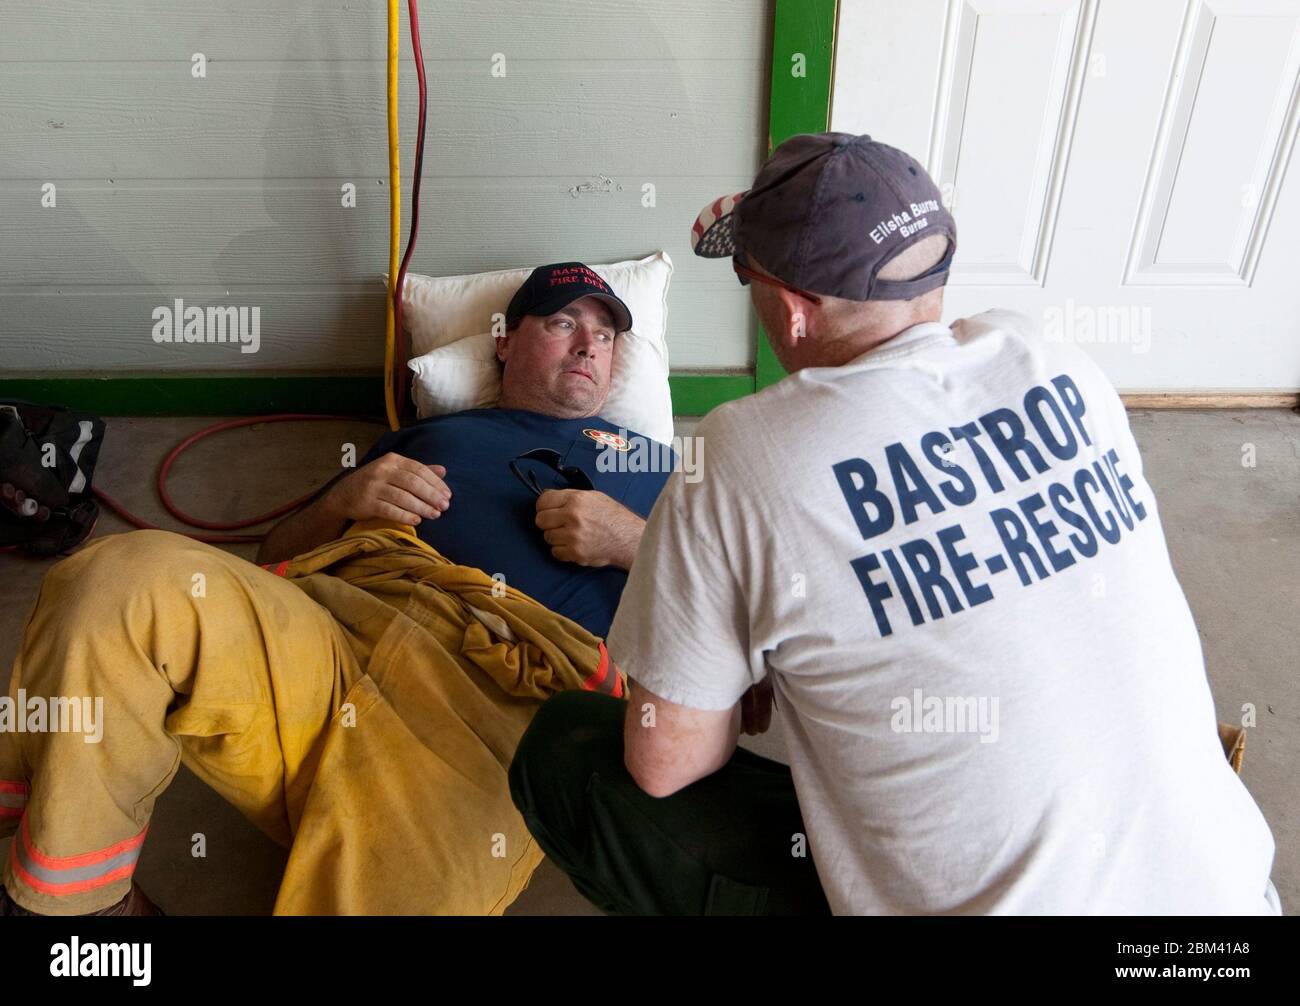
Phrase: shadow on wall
[505,157]
[331,254]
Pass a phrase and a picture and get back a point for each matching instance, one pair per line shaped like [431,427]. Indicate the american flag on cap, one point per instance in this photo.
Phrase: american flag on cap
[713,235]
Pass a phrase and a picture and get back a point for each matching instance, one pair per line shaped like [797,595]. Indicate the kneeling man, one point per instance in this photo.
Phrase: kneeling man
[933,544]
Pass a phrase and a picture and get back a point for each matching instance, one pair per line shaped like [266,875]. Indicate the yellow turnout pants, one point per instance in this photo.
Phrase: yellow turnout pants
[361,708]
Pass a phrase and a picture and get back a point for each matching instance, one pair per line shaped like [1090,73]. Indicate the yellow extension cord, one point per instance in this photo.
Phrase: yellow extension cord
[394,213]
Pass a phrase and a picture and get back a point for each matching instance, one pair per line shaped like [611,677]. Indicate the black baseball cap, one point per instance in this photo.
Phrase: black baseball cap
[827,212]
[549,288]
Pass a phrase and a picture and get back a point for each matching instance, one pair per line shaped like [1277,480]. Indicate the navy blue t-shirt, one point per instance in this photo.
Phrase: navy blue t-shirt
[491,521]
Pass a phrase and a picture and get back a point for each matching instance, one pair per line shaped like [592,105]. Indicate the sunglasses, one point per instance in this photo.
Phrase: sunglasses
[745,274]
[575,477]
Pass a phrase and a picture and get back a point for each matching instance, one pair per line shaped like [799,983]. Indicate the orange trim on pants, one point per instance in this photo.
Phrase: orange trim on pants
[87,871]
[595,682]
[17,791]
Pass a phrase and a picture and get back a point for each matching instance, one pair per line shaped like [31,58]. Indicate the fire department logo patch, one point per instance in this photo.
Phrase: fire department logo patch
[607,439]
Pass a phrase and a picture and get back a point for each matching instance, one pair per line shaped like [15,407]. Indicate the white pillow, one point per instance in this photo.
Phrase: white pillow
[461,375]
[454,358]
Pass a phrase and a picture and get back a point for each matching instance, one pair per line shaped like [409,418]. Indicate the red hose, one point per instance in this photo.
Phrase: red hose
[180,515]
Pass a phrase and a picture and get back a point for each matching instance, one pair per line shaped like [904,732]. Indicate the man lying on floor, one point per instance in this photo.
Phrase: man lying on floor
[360,695]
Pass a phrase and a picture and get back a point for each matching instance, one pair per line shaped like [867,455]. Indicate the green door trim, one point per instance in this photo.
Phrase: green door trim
[803,67]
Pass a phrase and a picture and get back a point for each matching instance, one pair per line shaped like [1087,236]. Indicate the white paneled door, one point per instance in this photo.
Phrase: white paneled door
[1118,169]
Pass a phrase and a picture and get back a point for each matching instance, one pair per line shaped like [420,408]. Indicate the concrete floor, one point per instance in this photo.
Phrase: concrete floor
[1234,533]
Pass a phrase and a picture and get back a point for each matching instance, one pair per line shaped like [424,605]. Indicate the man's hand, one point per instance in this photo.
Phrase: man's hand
[586,527]
[756,707]
[391,487]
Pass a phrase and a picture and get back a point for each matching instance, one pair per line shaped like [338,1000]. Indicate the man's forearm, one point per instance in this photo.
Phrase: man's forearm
[302,531]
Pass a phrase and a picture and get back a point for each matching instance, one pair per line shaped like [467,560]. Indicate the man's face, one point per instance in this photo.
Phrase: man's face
[559,365]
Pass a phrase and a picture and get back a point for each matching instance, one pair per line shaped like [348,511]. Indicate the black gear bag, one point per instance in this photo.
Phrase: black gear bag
[47,459]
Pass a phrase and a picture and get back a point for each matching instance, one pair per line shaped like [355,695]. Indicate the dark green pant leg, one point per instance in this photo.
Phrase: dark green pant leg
[724,845]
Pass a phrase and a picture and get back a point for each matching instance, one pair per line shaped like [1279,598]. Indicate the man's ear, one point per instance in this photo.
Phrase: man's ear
[794,316]
[502,345]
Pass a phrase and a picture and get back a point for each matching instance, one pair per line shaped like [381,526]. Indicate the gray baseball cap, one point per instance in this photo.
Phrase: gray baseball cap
[826,212]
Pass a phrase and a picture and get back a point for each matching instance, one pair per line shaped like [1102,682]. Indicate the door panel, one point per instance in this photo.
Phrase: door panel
[1118,169]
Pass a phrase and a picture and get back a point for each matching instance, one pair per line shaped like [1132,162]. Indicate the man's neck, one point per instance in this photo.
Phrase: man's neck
[544,408]
[838,352]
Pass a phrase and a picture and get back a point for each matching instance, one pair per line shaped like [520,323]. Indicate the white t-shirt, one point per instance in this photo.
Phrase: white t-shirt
[946,555]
